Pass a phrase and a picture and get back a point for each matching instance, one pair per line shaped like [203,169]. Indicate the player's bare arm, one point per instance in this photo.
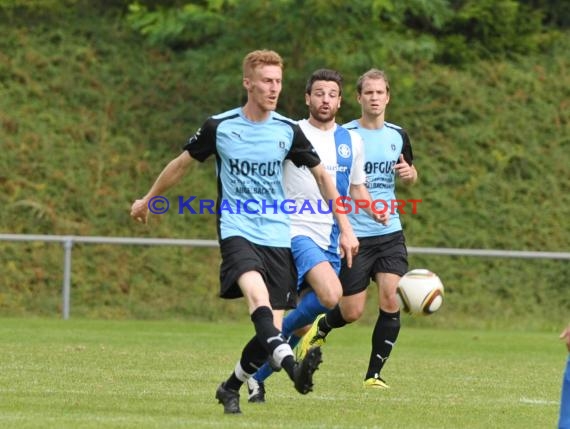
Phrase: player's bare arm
[168,178]
[360,192]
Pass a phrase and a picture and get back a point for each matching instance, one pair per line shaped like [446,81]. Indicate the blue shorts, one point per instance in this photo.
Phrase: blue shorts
[564,420]
[307,255]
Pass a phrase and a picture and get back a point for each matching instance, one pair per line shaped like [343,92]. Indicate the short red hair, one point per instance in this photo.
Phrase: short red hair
[262,57]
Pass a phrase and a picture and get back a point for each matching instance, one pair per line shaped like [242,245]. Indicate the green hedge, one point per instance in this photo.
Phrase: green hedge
[90,113]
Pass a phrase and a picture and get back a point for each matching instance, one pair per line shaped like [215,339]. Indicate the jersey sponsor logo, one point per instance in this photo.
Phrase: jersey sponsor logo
[379,167]
[260,190]
[337,168]
[379,185]
[249,168]
[344,150]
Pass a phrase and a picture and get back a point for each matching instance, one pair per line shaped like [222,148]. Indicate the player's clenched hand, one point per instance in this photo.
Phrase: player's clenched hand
[139,210]
[348,247]
[404,169]
[382,218]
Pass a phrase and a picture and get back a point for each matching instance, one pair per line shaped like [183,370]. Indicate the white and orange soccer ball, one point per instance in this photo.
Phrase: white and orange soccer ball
[420,292]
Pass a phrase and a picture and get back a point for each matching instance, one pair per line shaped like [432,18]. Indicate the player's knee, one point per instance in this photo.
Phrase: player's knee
[331,297]
[390,304]
[352,314]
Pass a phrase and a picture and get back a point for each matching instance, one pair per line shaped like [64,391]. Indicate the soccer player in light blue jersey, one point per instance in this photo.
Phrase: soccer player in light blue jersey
[314,232]
[564,420]
[382,256]
[250,144]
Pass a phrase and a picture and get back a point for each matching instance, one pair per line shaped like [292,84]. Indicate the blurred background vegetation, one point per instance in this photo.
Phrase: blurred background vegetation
[96,97]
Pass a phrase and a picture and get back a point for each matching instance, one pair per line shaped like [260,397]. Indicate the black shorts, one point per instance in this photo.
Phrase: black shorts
[379,254]
[275,264]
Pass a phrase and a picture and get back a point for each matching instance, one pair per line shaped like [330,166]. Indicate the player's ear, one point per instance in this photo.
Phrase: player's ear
[307,98]
[246,83]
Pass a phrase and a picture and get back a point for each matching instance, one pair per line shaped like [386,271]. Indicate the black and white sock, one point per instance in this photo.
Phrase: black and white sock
[384,338]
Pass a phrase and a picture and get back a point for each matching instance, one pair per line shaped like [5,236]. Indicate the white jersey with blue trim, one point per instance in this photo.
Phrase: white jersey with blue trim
[382,149]
[249,167]
[342,155]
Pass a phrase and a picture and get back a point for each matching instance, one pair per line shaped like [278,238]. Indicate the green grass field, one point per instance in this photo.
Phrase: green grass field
[141,374]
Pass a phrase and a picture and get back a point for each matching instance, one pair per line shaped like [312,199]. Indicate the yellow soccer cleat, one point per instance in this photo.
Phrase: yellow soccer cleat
[375,383]
[313,338]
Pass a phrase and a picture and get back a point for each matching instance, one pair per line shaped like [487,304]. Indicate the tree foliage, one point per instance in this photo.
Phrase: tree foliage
[487,29]
[381,29]
[348,36]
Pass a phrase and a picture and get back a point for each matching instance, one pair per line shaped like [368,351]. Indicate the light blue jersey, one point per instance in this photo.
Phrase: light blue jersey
[249,167]
[382,149]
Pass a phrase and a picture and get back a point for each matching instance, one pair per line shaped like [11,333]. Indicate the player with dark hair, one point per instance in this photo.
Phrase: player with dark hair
[382,256]
[250,144]
[315,235]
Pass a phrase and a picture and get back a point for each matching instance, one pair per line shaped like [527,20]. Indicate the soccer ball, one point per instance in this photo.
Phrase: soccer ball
[420,292]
